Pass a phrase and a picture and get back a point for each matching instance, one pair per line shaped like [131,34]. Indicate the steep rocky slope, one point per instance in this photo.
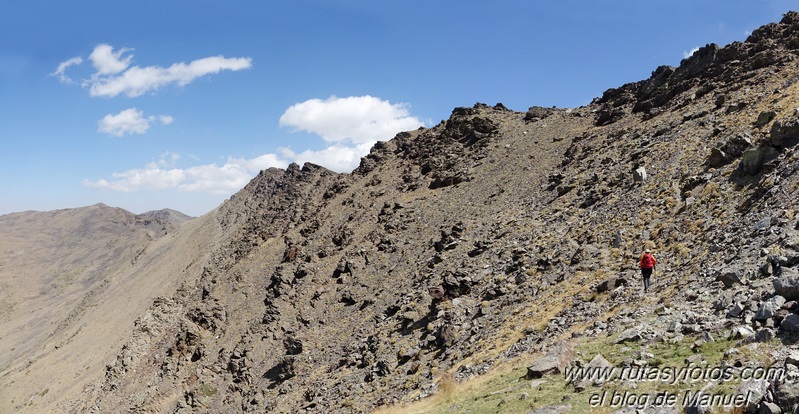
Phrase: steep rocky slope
[485,240]
[73,282]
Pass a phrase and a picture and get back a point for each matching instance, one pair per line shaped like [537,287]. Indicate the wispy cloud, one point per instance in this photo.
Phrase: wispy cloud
[151,177]
[130,121]
[370,119]
[115,76]
[168,159]
[62,67]
[209,178]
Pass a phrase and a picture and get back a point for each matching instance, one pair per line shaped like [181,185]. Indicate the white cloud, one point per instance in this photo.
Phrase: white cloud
[358,119]
[114,74]
[337,157]
[214,179]
[210,178]
[151,177]
[369,118]
[261,162]
[168,159]
[137,81]
[690,53]
[129,121]
[62,67]
[224,179]
[107,62]
[228,178]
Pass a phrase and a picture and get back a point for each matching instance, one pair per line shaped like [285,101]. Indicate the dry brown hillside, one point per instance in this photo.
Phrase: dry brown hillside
[53,263]
[73,282]
[455,254]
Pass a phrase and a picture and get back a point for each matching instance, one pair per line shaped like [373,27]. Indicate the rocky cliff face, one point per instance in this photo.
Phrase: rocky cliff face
[489,238]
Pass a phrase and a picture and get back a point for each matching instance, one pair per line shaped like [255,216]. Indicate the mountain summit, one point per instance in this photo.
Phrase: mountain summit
[458,263]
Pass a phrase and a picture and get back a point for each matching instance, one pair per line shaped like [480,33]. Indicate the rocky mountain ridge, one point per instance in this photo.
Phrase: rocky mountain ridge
[488,239]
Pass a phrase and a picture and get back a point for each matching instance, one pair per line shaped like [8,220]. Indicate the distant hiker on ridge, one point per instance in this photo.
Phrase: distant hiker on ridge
[647,264]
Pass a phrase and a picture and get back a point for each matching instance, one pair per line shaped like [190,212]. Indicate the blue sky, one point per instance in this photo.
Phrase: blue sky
[153,104]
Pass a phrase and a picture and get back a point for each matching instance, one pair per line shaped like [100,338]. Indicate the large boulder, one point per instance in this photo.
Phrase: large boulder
[755,389]
[790,323]
[787,284]
[741,332]
[594,374]
[634,334]
[768,408]
[731,277]
[549,364]
[536,113]
[752,160]
[764,118]
[608,114]
[718,158]
[769,308]
[731,150]
[763,335]
[785,133]
[554,362]
[611,283]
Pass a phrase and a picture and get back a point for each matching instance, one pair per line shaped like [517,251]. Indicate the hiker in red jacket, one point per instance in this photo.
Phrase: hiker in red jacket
[647,264]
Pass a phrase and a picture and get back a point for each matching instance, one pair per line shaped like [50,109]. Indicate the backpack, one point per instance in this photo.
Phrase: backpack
[647,261]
